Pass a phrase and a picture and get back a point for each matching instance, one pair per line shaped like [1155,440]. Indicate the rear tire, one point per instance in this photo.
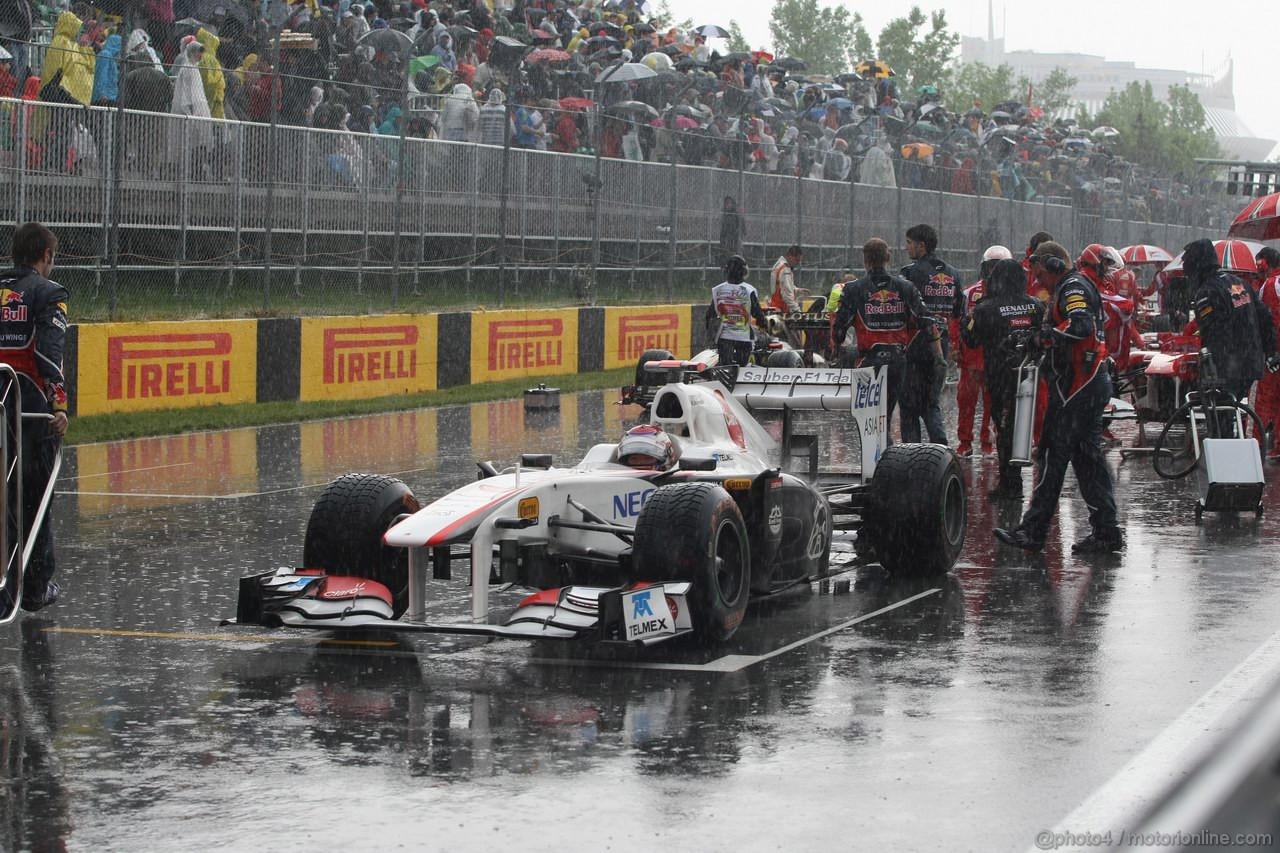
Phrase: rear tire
[643,376]
[917,512]
[785,358]
[344,533]
[694,532]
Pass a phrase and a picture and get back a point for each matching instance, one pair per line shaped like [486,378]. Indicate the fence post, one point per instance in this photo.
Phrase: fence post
[306,218]
[398,214]
[799,241]
[183,202]
[853,208]
[117,168]
[502,206]
[20,207]
[239,206]
[104,167]
[272,162]
[367,179]
[673,217]
[475,210]
[555,220]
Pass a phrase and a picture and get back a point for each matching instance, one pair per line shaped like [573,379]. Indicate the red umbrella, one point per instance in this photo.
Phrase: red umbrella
[762,56]
[1260,220]
[1140,255]
[576,103]
[1236,256]
[547,54]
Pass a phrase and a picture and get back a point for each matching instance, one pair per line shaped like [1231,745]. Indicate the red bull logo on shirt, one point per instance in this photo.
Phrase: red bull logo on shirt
[12,310]
[884,301]
[940,284]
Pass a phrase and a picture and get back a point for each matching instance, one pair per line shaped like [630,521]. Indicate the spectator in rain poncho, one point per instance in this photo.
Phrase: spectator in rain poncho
[138,49]
[460,118]
[211,76]
[106,73]
[189,100]
[836,164]
[72,61]
[314,99]
[494,127]
[444,50]
[877,167]
[362,24]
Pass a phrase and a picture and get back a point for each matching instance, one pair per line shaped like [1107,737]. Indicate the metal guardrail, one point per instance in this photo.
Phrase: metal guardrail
[194,196]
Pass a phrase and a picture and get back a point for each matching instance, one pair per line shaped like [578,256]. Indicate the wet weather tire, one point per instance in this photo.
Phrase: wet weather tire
[643,377]
[785,358]
[694,532]
[917,512]
[344,533]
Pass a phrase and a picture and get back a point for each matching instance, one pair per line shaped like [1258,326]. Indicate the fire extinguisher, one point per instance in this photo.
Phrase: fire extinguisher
[1024,408]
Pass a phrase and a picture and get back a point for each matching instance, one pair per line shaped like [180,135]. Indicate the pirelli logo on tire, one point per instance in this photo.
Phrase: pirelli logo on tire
[348,358]
[630,331]
[131,367]
[514,344]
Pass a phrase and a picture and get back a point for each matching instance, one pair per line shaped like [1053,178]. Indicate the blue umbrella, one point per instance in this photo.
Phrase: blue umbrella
[840,103]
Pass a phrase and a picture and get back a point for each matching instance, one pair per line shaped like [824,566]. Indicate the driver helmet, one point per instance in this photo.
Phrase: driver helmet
[647,448]
[1096,263]
[992,256]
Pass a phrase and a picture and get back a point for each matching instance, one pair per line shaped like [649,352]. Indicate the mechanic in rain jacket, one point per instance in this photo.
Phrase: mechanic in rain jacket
[1079,388]
[891,325]
[972,377]
[1232,322]
[33,329]
[1000,325]
[1267,403]
[735,303]
[942,291]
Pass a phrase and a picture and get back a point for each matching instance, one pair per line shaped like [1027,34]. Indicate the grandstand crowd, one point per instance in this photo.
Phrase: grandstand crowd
[543,74]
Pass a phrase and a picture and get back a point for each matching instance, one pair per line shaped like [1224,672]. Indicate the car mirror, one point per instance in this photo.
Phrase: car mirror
[535,460]
[698,463]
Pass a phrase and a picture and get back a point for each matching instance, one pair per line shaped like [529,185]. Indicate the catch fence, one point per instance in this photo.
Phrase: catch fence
[163,215]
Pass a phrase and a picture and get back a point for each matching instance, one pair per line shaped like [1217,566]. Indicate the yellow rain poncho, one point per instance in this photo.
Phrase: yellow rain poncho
[73,60]
[215,84]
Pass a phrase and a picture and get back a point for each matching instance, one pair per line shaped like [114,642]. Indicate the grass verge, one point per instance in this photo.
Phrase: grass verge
[96,428]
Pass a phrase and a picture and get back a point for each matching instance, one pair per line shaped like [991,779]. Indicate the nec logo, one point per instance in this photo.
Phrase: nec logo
[370,354]
[177,365]
[518,344]
[630,504]
[646,332]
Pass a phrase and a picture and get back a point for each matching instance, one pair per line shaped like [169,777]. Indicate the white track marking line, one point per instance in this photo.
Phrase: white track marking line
[233,496]
[736,663]
[1125,797]
[118,471]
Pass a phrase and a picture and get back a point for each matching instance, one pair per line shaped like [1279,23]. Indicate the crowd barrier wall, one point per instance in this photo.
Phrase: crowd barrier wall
[136,367]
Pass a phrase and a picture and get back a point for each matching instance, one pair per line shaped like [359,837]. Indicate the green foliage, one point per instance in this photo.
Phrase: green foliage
[1165,136]
[1053,93]
[919,57]
[830,39]
[979,83]
[737,41]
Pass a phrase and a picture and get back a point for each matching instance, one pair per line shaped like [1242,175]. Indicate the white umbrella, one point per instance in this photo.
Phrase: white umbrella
[1105,132]
[4,54]
[626,72]
[711,31]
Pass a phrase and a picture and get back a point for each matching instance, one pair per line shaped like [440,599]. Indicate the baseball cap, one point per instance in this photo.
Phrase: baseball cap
[997,253]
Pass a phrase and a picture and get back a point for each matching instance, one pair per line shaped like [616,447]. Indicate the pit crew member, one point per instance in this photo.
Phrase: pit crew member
[1079,390]
[735,303]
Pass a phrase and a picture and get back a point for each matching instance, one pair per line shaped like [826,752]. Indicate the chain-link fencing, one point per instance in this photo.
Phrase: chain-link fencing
[161,215]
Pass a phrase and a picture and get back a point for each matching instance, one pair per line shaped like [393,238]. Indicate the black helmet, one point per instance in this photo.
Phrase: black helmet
[735,269]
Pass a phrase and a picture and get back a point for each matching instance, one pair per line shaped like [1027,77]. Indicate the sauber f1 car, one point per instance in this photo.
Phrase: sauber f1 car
[615,554]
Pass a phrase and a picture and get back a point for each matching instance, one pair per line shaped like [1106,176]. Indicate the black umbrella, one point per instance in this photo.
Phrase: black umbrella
[386,41]
[689,63]
[791,63]
[671,50]
[846,78]
[606,28]
[207,10]
[740,56]
[402,24]
[462,34]
[601,42]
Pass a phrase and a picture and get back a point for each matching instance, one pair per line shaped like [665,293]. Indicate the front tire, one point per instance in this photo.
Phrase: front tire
[917,514]
[344,533]
[695,532]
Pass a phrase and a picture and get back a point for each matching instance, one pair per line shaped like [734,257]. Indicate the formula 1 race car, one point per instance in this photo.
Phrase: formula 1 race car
[617,554]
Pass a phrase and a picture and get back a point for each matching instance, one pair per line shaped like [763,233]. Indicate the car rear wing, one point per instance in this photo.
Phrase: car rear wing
[859,391]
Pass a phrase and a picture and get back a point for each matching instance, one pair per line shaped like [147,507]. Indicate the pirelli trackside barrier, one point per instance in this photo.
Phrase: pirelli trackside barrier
[134,367]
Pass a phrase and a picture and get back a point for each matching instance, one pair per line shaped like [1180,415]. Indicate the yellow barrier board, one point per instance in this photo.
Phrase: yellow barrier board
[135,367]
[349,358]
[514,344]
[629,331]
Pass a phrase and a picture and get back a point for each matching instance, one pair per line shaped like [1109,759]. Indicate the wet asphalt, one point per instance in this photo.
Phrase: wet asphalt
[967,712]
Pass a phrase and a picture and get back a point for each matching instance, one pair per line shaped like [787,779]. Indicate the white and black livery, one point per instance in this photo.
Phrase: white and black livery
[615,554]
